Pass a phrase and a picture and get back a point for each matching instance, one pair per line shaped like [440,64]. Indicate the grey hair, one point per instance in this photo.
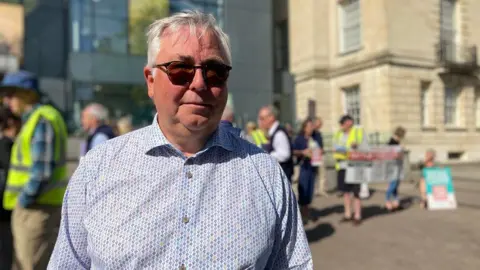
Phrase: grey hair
[191,19]
[227,113]
[272,110]
[98,111]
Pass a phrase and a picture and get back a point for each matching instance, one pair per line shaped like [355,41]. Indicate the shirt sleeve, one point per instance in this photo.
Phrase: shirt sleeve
[291,249]
[99,139]
[298,143]
[281,146]
[42,151]
[70,250]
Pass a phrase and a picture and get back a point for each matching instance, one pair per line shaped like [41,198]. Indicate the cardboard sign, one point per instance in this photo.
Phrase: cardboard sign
[376,164]
[317,157]
[439,188]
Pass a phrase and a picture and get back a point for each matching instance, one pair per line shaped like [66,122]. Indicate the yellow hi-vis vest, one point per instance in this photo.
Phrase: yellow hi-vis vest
[259,137]
[21,161]
[354,136]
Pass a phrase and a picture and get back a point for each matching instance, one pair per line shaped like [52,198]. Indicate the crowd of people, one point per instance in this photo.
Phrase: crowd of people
[191,190]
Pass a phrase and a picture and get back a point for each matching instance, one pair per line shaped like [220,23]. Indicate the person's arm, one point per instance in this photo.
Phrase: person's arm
[291,250]
[320,140]
[70,250]
[281,146]
[299,148]
[98,139]
[42,152]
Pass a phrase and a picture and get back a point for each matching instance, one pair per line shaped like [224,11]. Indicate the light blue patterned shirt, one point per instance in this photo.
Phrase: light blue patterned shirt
[136,202]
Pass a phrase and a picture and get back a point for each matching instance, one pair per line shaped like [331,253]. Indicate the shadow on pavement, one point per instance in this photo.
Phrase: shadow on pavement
[376,210]
[318,213]
[321,231]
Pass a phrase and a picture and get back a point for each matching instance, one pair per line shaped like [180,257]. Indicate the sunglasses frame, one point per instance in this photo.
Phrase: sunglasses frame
[164,67]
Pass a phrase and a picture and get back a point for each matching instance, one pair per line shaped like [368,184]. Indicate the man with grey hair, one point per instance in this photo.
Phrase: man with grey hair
[227,122]
[94,117]
[181,193]
[279,145]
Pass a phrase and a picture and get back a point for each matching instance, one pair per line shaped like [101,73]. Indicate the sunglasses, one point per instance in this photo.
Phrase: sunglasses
[180,73]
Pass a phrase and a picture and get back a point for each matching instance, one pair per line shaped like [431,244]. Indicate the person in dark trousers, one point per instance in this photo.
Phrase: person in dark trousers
[391,197]
[303,146]
[9,127]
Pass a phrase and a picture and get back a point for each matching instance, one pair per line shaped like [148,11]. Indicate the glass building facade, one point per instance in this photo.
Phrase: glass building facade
[117,28]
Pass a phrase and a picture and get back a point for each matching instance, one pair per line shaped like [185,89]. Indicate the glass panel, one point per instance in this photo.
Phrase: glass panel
[110,35]
[111,8]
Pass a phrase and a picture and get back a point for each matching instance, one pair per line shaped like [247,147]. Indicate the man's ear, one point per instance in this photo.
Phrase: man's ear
[149,75]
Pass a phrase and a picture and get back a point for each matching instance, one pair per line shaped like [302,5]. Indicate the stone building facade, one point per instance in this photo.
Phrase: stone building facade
[388,63]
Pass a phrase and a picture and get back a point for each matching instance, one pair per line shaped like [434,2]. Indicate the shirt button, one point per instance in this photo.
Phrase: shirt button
[185,219]
[189,175]
[182,267]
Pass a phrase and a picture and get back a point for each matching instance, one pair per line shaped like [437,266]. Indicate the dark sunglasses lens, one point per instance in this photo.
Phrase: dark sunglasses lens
[216,74]
[180,73]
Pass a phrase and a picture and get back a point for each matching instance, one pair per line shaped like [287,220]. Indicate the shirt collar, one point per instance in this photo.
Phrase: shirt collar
[156,138]
[26,115]
[273,128]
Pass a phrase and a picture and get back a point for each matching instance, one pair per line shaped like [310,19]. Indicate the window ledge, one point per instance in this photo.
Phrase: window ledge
[350,51]
[429,128]
[455,128]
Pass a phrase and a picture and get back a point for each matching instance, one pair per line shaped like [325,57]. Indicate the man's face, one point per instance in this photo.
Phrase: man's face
[429,156]
[265,119]
[17,106]
[194,106]
[347,125]
[87,120]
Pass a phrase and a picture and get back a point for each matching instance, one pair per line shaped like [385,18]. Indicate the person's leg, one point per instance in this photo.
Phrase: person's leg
[389,194]
[396,201]
[340,181]
[322,175]
[347,202]
[34,232]
[318,184]
[303,194]
[357,203]
[423,193]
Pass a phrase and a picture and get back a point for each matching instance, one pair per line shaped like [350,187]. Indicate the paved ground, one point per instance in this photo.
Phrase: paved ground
[410,239]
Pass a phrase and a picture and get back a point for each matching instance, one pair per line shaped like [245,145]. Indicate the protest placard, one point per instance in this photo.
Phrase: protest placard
[439,188]
[375,164]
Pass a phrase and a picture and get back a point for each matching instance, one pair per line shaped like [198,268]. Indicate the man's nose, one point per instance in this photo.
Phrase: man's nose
[198,83]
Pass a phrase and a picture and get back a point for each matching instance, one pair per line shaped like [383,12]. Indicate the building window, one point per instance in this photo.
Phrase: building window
[349,21]
[448,31]
[451,106]
[352,103]
[424,106]
[99,26]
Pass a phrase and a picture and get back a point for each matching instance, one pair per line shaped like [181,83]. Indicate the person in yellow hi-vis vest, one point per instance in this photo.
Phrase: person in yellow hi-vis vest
[37,177]
[346,139]
[259,137]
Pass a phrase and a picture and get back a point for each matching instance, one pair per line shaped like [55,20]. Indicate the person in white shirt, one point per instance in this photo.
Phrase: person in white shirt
[279,145]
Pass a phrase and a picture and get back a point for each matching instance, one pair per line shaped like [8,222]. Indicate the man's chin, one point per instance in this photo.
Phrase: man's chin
[198,123]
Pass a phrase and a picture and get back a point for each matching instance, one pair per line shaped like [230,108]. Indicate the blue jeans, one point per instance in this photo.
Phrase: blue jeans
[392,190]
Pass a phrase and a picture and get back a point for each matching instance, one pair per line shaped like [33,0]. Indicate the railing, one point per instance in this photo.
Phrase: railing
[457,57]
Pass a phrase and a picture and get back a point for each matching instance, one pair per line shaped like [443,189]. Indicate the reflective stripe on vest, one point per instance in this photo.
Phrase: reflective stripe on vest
[21,160]
[259,137]
[354,136]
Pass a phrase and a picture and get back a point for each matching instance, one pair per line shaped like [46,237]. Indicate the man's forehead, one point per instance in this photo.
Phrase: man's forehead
[184,38]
